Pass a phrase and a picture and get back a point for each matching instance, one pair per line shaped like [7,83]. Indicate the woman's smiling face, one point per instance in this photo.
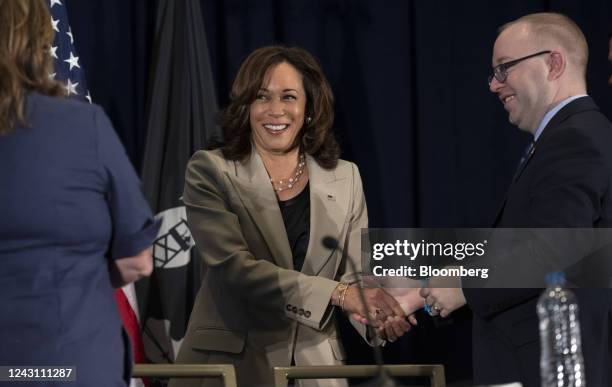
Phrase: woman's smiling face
[277,114]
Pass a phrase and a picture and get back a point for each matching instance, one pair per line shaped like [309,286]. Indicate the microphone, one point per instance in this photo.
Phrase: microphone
[383,379]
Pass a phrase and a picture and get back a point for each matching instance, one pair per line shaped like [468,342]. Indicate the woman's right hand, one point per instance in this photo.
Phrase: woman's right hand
[130,269]
[385,313]
[381,305]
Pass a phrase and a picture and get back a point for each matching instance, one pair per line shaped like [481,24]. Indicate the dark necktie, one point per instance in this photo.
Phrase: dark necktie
[526,156]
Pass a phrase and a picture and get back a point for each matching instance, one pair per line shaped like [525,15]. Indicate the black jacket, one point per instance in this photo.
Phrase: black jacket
[565,182]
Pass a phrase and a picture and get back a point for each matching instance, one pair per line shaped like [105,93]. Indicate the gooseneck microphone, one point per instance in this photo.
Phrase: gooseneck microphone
[383,379]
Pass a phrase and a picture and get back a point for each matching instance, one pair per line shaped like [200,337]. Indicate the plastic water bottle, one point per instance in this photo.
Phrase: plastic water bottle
[561,362]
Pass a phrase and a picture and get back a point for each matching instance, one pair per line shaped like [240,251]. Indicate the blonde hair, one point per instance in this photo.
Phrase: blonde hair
[26,35]
[560,29]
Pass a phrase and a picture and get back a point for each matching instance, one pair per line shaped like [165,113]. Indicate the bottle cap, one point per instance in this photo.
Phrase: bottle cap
[555,278]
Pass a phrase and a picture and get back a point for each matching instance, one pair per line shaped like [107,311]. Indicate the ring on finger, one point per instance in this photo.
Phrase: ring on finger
[376,314]
[430,310]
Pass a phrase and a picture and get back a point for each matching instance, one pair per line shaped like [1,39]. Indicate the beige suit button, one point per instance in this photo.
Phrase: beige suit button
[294,309]
[307,314]
[301,312]
[288,307]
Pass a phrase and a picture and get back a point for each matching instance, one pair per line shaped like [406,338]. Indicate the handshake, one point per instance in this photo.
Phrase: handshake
[391,310]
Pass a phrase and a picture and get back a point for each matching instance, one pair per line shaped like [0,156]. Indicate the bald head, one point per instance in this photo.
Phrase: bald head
[538,61]
[549,30]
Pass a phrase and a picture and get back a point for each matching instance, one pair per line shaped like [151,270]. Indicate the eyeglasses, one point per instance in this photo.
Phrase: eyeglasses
[500,72]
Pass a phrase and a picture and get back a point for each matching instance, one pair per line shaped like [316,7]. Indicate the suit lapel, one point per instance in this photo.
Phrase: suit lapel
[255,190]
[524,162]
[329,204]
[517,174]
[576,106]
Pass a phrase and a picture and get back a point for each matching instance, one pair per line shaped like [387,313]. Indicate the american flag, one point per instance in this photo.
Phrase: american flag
[69,71]
[68,67]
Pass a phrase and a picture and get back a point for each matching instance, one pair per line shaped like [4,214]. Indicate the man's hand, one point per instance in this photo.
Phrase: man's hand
[392,328]
[443,301]
[395,327]
[409,299]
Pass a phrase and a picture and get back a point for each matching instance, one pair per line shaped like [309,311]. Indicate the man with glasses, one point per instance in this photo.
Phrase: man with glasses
[564,181]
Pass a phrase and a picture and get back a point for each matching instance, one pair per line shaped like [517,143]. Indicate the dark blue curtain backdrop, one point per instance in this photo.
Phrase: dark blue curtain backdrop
[413,108]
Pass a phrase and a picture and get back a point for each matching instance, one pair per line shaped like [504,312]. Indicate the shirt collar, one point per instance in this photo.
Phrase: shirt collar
[551,113]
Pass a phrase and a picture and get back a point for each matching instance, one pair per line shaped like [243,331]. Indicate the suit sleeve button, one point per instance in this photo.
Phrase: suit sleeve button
[294,309]
[288,307]
[307,314]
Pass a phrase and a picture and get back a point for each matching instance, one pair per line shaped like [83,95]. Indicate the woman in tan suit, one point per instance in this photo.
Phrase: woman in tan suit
[258,208]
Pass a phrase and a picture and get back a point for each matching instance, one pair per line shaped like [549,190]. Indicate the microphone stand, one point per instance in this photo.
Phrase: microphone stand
[383,379]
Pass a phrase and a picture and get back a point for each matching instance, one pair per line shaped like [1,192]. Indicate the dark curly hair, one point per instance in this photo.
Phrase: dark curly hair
[315,138]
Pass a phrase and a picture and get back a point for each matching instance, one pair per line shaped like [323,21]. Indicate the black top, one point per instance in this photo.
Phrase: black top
[296,216]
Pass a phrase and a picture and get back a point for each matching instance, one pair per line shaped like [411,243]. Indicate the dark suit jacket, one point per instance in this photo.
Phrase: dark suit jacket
[564,183]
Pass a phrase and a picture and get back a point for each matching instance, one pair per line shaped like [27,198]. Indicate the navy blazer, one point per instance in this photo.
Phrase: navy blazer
[564,183]
[70,201]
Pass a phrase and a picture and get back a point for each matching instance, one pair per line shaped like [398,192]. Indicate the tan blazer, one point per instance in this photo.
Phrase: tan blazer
[253,310]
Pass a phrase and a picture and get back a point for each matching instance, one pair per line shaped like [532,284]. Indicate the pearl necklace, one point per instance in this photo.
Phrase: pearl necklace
[285,184]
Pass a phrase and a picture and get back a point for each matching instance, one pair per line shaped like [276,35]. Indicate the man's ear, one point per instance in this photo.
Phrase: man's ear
[556,65]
